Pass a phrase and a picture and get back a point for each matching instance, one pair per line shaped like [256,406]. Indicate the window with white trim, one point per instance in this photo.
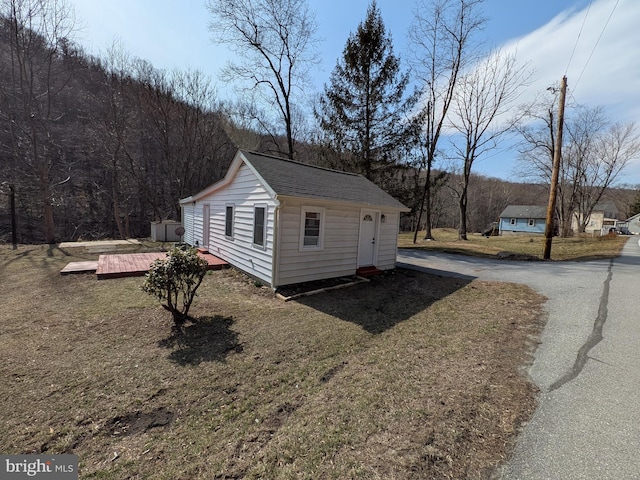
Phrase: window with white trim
[513,221]
[311,228]
[228,222]
[259,225]
[532,222]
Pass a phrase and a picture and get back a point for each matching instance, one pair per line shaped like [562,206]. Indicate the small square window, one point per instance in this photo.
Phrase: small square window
[513,221]
[532,222]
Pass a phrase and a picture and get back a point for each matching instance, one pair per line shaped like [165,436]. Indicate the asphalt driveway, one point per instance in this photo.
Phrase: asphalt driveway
[587,425]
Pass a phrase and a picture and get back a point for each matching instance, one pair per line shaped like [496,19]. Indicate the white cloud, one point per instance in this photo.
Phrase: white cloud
[603,72]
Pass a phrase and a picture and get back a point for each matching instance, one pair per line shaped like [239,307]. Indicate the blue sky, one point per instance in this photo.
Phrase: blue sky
[174,34]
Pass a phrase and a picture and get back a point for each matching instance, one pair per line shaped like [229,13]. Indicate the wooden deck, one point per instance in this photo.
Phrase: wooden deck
[126,264]
[130,264]
[137,264]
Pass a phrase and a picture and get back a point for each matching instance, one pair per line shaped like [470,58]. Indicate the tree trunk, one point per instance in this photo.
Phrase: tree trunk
[428,235]
[47,211]
[426,197]
[462,230]
[116,208]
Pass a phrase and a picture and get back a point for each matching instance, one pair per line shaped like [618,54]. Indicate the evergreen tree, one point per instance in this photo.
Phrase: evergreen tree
[361,112]
[634,208]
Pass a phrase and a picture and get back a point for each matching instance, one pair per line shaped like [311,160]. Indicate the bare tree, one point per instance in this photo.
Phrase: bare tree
[117,128]
[481,103]
[38,33]
[600,166]
[184,126]
[441,37]
[274,44]
[595,152]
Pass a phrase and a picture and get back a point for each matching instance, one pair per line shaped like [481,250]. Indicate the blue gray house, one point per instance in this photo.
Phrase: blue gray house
[523,219]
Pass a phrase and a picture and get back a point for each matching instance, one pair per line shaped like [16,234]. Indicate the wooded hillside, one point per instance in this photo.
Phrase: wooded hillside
[95,151]
[99,148]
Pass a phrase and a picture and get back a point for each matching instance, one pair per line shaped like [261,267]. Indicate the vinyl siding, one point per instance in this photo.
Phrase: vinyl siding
[388,241]
[340,244]
[197,224]
[187,223]
[244,192]
[521,226]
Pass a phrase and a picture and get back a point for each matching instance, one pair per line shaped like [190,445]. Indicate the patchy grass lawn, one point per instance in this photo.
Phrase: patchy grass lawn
[574,248]
[410,376]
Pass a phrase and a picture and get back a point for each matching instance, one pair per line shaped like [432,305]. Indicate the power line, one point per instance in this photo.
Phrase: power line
[575,45]
[596,44]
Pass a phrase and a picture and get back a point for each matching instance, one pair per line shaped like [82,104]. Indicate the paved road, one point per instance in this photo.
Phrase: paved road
[587,425]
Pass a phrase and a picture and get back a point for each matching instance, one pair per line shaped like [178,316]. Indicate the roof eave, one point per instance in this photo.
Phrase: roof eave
[400,208]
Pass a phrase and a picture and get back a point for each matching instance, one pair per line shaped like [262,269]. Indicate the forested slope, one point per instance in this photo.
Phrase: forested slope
[97,151]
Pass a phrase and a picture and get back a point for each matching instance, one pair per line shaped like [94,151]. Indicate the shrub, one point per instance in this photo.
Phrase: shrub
[175,280]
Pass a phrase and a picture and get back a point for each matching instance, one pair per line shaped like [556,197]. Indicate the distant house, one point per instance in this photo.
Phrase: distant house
[603,218]
[633,224]
[285,222]
[523,219]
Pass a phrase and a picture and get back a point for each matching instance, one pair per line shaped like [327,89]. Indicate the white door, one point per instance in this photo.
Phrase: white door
[367,243]
[206,223]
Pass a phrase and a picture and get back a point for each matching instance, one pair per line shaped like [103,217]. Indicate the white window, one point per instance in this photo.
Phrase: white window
[228,222]
[532,222]
[259,225]
[513,221]
[311,228]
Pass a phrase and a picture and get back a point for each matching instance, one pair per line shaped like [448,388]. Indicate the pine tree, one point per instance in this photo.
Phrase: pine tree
[634,208]
[361,112]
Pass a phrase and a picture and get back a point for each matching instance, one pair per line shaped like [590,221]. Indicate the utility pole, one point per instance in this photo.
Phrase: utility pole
[557,156]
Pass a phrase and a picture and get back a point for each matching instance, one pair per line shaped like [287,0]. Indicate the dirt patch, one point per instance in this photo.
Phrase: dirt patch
[139,422]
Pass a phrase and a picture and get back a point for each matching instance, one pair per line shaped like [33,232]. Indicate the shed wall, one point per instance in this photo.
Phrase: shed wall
[388,241]
[340,244]
[339,254]
[243,193]
[188,222]
[634,224]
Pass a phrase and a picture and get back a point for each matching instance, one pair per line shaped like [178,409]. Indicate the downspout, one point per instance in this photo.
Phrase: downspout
[275,266]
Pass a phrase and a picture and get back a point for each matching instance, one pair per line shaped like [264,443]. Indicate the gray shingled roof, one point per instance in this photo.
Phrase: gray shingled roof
[524,211]
[294,179]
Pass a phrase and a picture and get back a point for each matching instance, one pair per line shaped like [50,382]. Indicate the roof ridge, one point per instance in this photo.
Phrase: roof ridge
[288,160]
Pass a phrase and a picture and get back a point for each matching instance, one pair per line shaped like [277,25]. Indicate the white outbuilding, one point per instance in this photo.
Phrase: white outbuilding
[633,224]
[285,222]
